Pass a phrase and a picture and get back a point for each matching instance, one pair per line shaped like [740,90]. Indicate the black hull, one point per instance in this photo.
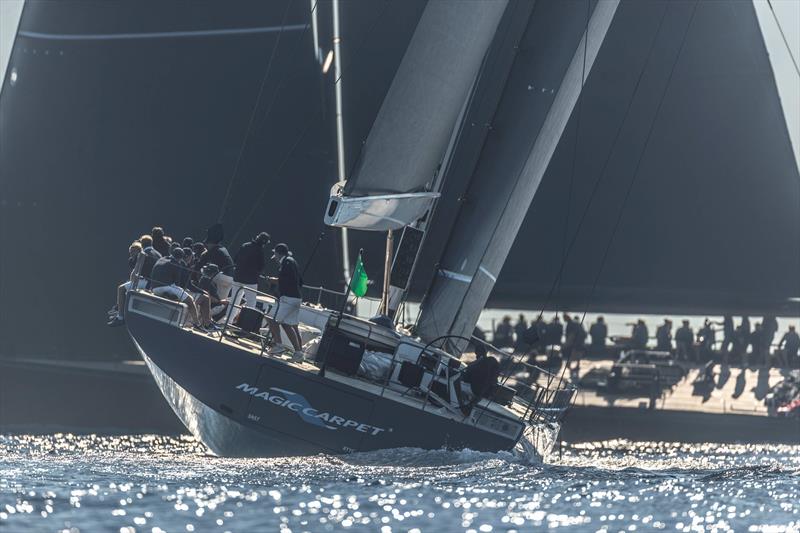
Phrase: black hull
[239,404]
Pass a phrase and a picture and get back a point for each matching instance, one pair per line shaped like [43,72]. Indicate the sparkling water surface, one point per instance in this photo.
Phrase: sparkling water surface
[152,483]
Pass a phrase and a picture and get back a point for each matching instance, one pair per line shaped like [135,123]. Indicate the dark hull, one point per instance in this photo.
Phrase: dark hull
[239,404]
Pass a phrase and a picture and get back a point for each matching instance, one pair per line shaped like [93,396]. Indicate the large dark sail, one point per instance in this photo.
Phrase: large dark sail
[101,143]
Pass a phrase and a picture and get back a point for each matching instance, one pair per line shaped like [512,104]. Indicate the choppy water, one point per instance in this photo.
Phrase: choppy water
[147,483]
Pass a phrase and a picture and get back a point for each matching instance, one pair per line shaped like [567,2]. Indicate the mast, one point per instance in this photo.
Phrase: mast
[337,84]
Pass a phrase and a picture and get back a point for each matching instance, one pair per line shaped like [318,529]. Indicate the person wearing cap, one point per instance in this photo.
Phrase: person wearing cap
[288,311]
[168,273]
[249,264]
[216,253]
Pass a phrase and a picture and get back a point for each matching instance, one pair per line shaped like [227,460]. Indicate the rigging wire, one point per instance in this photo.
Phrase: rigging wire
[574,164]
[650,130]
[309,121]
[604,168]
[621,211]
[229,189]
[783,35]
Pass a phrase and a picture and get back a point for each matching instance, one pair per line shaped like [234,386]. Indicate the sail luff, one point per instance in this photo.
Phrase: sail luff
[486,227]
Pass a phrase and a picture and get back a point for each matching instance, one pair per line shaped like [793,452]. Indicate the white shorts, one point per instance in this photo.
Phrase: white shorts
[172,290]
[223,284]
[288,311]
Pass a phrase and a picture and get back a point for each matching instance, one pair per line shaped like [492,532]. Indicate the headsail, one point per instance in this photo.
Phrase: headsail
[503,183]
[393,185]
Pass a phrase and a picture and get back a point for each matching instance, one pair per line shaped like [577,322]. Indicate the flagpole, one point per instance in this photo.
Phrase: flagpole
[341,313]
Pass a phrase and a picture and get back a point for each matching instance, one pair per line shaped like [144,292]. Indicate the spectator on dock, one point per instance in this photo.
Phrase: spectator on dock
[790,344]
[664,336]
[599,333]
[504,334]
[519,331]
[639,335]
[770,327]
[728,336]
[535,335]
[706,338]
[684,342]
[570,331]
[553,333]
[757,345]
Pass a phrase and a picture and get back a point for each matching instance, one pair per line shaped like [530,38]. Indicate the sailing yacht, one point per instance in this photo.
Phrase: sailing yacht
[370,384]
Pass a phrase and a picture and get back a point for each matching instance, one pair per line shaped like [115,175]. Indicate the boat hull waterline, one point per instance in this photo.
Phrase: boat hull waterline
[241,405]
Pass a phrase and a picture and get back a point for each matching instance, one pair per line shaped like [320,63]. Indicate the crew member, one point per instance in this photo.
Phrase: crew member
[287,314]
[249,265]
[481,375]
[168,273]
[217,253]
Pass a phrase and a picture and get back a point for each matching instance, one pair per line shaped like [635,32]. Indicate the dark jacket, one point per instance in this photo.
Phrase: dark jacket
[289,278]
[684,334]
[664,337]
[219,256]
[249,262]
[150,258]
[161,245]
[599,332]
[166,271]
[482,375]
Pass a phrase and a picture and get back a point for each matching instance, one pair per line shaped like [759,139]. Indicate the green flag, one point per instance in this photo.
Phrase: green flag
[360,280]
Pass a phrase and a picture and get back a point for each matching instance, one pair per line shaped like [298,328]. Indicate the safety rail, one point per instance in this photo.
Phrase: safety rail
[546,402]
[544,396]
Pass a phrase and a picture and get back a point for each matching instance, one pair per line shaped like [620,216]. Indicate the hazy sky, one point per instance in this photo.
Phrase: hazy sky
[787,78]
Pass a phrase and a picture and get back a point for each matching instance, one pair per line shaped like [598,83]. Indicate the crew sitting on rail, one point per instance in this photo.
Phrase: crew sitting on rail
[116,313]
[168,272]
[288,312]
[209,304]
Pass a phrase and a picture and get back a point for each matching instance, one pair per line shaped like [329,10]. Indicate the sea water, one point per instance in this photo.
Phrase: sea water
[153,483]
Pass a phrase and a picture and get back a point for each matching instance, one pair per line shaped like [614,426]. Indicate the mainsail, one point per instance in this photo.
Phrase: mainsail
[393,184]
[557,52]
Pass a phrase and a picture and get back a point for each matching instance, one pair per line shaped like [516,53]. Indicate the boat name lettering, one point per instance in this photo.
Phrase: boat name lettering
[297,403]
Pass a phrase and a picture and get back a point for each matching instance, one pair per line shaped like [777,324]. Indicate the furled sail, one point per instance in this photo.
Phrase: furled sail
[556,53]
[393,184]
